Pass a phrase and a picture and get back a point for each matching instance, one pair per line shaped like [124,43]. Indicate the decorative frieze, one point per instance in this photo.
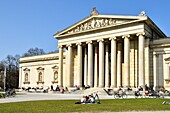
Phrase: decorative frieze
[93,24]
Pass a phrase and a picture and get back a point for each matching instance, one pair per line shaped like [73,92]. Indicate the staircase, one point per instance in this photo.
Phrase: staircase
[99,91]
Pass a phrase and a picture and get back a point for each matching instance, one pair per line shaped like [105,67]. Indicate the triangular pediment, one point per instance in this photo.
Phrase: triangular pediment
[97,22]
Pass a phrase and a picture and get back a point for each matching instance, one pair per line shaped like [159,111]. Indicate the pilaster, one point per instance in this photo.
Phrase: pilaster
[60,71]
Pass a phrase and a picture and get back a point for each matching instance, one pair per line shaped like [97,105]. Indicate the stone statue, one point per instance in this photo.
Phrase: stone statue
[143,13]
[94,12]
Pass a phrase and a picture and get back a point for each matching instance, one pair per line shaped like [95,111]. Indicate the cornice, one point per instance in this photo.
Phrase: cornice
[159,45]
[40,59]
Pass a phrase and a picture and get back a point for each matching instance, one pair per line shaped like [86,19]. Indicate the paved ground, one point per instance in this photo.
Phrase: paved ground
[52,96]
[46,96]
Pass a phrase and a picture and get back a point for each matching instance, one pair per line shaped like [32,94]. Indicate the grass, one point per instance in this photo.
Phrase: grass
[55,106]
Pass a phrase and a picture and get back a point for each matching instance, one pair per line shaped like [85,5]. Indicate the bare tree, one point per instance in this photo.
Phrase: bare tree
[12,70]
[33,52]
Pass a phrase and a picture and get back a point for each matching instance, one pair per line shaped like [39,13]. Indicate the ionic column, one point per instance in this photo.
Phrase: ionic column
[119,65]
[90,63]
[79,52]
[141,49]
[107,85]
[60,71]
[85,67]
[101,62]
[69,64]
[96,77]
[113,62]
[126,60]
[155,70]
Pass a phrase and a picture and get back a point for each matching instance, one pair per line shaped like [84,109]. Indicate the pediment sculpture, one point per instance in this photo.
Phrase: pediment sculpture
[93,24]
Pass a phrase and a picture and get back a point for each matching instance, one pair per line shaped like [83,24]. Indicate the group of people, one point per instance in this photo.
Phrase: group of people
[62,90]
[87,99]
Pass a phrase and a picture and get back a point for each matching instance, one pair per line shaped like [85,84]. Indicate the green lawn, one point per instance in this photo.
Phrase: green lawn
[55,106]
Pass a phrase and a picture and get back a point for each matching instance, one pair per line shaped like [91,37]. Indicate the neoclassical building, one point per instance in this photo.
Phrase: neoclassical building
[103,51]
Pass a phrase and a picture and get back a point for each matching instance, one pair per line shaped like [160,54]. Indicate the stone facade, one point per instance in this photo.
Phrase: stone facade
[40,71]
[105,51]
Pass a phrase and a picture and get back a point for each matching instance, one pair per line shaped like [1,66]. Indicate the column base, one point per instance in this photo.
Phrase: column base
[155,87]
[112,86]
[101,86]
[107,87]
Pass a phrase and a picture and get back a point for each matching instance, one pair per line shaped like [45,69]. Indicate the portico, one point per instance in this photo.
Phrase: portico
[106,51]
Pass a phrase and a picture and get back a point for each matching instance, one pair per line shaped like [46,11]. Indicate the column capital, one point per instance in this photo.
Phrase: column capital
[112,38]
[79,43]
[106,42]
[68,45]
[89,42]
[126,36]
[60,46]
[155,54]
[142,33]
[100,40]
[95,43]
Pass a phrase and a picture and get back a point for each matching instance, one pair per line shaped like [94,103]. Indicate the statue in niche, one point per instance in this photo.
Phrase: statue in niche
[40,77]
[55,76]
[81,27]
[89,25]
[102,23]
[97,23]
[110,21]
[26,77]
[77,29]
[93,23]
[106,22]
[85,26]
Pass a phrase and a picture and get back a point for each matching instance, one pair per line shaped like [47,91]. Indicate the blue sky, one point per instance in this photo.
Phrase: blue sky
[26,24]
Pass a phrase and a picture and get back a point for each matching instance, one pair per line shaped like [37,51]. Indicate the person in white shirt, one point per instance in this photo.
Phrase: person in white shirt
[91,99]
[83,99]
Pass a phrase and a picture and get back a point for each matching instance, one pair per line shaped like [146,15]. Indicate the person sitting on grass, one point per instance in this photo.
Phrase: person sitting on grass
[165,102]
[91,99]
[83,99]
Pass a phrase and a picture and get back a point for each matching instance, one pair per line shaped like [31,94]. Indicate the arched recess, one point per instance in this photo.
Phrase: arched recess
[26,76]
[40,71]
